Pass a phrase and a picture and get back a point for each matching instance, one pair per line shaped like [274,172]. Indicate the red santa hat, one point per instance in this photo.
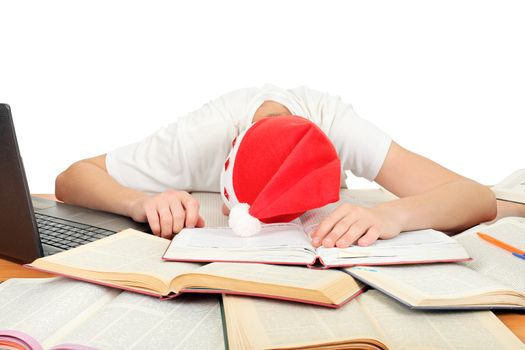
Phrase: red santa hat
[277,169]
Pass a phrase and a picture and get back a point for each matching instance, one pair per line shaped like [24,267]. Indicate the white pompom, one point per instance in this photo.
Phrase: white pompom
[241,222]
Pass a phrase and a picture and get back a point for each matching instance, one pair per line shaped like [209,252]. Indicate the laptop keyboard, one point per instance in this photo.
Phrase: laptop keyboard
[64,234]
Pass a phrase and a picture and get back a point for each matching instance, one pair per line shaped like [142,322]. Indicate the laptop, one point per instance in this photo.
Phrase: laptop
[32,227]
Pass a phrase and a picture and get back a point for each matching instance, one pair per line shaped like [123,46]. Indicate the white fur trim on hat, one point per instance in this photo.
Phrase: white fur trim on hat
[241,222]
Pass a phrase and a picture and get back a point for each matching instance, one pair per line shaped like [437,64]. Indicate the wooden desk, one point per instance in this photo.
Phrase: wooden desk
[12,270]
[514,321]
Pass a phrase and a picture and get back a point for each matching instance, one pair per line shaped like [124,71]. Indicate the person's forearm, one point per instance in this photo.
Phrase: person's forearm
[90,186]
[450,207]
[506,208]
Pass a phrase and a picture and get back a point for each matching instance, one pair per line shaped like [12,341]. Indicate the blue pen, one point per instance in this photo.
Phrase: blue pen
[519,255]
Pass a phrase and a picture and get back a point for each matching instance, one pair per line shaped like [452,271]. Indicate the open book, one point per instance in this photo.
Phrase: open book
[494,279]
[371,321]
[512,188]
[58,313]
[289,243]
[130,260]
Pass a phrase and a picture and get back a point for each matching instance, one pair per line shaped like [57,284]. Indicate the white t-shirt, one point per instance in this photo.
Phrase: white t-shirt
[189,153]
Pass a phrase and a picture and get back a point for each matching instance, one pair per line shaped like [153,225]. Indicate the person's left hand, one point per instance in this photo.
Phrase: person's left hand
[349,224]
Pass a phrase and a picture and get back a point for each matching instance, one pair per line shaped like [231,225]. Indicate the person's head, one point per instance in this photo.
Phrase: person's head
[270,109]
[280,167]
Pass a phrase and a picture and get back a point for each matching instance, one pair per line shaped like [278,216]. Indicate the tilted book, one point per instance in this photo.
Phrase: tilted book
[494,279]
[130,260]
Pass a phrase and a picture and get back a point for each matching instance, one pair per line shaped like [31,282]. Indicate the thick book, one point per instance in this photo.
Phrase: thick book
[60,313]
[130,260]
[290,244]
[494,279]
[512,188]
[371,321]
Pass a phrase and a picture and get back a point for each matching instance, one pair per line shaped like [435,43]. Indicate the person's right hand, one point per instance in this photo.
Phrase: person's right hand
[168,212]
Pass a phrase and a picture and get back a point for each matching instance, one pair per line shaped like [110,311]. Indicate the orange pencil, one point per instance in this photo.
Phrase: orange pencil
[500,244]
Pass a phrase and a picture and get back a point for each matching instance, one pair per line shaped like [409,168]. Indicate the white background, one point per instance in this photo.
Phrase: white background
[445,79]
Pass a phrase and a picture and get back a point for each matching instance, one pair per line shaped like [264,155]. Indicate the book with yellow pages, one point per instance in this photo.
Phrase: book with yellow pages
[494,279]
[371,321]
[130,260]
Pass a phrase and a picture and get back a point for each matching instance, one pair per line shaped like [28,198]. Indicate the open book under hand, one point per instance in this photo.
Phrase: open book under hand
[289,244]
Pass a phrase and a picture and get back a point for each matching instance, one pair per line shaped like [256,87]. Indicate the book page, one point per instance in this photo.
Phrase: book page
[441,284]
[492,261]
[134,321]
[405,329]
[293,276]
[284,242]
[410,246]
[41,307]
[211,209]
[271,236]
[127,251]
[272,324]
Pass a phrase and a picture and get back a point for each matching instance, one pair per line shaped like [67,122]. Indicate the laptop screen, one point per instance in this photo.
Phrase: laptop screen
[19,239]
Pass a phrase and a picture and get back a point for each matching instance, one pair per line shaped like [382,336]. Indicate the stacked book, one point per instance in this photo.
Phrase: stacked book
[274,290]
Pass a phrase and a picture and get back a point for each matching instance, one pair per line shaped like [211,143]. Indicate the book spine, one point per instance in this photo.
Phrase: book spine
[304,263]
[267,296]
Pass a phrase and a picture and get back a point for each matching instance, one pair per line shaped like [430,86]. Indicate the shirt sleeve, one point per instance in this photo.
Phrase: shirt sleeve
[361,146]
[185,155]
